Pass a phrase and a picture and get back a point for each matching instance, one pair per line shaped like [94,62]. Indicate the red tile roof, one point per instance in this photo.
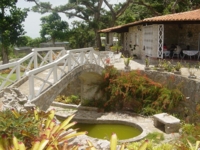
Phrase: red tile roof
[120,26]
[193,15]
[189,16]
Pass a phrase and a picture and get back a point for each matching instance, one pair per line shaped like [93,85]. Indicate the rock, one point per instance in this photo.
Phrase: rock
[12,98]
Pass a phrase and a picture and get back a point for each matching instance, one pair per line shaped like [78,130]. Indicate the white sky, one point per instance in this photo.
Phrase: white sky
[32,22]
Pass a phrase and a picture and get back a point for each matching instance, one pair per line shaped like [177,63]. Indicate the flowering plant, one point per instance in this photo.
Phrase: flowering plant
[107,60]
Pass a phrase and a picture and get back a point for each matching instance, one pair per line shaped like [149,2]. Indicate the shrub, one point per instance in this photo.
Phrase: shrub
[190,132]
[73,99]
[35,130]
[135,90]
[155,137]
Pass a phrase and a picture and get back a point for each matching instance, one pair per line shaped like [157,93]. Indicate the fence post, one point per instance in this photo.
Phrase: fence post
[55,77]
[18,71]
[31,87]
[82,58]
[35,58]
[91,54]
[51,56]
[69,62]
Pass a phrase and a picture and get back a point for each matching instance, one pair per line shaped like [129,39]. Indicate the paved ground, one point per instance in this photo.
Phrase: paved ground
[139,64]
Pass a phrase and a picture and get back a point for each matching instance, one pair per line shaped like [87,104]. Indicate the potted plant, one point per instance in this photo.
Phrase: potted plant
[160,65]
[127,63]
[192,70]
[147,64]
[177,68]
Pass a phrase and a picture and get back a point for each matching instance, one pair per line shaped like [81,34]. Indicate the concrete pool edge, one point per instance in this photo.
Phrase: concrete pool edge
[141,136]
[99,119]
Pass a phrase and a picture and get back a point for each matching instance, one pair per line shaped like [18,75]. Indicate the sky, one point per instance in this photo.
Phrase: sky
[32,22]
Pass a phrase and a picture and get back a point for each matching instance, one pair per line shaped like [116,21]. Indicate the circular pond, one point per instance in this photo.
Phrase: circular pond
[103,129]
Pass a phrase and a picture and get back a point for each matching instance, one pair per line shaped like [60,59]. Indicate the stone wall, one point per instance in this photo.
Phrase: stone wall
[189,87]
[86,86]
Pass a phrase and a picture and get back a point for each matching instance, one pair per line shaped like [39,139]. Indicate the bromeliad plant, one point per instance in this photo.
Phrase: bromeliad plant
[35,130]
[114,146]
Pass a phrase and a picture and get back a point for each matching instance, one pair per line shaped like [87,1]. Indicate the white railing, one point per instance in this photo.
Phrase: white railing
[39,57]
[43,56]
[42,78]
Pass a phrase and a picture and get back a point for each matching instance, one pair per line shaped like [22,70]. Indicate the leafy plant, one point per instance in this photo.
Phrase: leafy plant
[72,99]
[188,145]
[36,130]
[155,137]
[136,91]
[178,66]
[148,111]
[191,69]
[196,147]
[190,133]
[115,48]
[198,108]
[127,60]
[169,67]
[13,123]
[160,63]
[147,62]
[141,145]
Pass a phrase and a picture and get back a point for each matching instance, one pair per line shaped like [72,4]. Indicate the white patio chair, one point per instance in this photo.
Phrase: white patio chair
[177,52]
[117,57]
[166,54]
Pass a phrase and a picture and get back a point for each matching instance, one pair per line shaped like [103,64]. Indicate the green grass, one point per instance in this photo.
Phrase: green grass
[12,77]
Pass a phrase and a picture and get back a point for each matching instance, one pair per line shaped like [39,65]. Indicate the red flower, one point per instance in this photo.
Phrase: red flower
[107,60]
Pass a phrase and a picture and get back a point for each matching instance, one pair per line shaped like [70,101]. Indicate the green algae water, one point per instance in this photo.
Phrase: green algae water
[104,131]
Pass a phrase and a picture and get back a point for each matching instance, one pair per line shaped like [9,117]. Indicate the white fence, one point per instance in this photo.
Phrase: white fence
[39,57]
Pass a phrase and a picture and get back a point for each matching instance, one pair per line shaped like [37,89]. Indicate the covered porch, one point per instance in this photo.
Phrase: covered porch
[148,36]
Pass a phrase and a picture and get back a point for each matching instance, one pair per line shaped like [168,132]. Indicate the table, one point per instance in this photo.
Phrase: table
[190,53]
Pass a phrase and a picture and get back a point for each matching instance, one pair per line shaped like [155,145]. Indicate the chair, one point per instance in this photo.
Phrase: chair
[117,57]
[177,52]
[166,54]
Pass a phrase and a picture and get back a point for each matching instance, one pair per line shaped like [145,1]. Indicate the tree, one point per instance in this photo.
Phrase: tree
[97,17]
[11,27]
[53,26]
[28,41]
[151,8]
[35,42]
[81,35]
[23,41]
[140,9]
[91,11]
